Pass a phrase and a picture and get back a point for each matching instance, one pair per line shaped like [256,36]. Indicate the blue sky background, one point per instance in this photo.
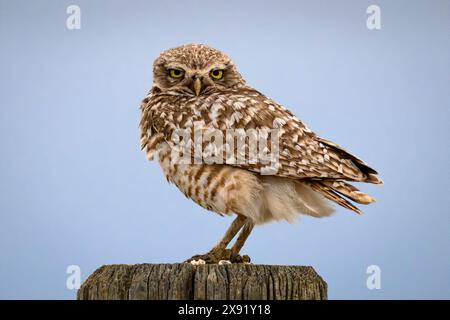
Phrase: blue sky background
[75,188]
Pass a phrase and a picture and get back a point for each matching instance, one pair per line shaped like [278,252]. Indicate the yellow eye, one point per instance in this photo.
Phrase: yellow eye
[216,74]
[176,73]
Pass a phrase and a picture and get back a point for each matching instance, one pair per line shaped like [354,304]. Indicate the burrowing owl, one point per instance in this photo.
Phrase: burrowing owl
[197,89]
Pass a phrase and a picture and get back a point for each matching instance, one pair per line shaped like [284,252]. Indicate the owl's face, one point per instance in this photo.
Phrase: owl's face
[194,70]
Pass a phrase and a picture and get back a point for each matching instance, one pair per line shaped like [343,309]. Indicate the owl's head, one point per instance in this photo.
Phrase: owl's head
[193,70]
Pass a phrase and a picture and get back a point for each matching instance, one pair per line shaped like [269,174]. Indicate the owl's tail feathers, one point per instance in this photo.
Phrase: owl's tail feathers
[373,178]
[349,191]
[332,190]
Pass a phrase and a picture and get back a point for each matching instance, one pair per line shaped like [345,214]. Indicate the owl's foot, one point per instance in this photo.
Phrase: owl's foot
[217,255]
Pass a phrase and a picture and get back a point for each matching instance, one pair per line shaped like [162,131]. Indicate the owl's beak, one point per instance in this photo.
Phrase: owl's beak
[197,86]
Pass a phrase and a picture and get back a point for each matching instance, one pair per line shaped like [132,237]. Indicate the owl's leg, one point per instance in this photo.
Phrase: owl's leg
[237,246]
[234,228]
[219,251]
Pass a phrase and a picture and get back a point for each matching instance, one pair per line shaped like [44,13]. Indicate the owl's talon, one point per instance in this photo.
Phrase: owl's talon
[208,258]
[197,262]
[215,256]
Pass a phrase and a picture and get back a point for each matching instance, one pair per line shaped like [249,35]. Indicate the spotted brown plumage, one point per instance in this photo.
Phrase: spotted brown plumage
[307,171]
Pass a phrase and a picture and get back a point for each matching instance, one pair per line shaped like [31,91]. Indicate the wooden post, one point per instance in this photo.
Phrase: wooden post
[203,282]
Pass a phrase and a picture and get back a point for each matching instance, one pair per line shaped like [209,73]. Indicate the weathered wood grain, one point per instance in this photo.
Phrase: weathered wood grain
[203,282]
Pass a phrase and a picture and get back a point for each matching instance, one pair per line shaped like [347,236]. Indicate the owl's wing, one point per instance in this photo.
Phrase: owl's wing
[300,153]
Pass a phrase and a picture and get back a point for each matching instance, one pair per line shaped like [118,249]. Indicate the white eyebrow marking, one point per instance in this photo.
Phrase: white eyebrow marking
[175,65]
[220,66]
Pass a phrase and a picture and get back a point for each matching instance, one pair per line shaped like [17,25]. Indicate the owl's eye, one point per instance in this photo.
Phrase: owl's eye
[176,73]
[216,74]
